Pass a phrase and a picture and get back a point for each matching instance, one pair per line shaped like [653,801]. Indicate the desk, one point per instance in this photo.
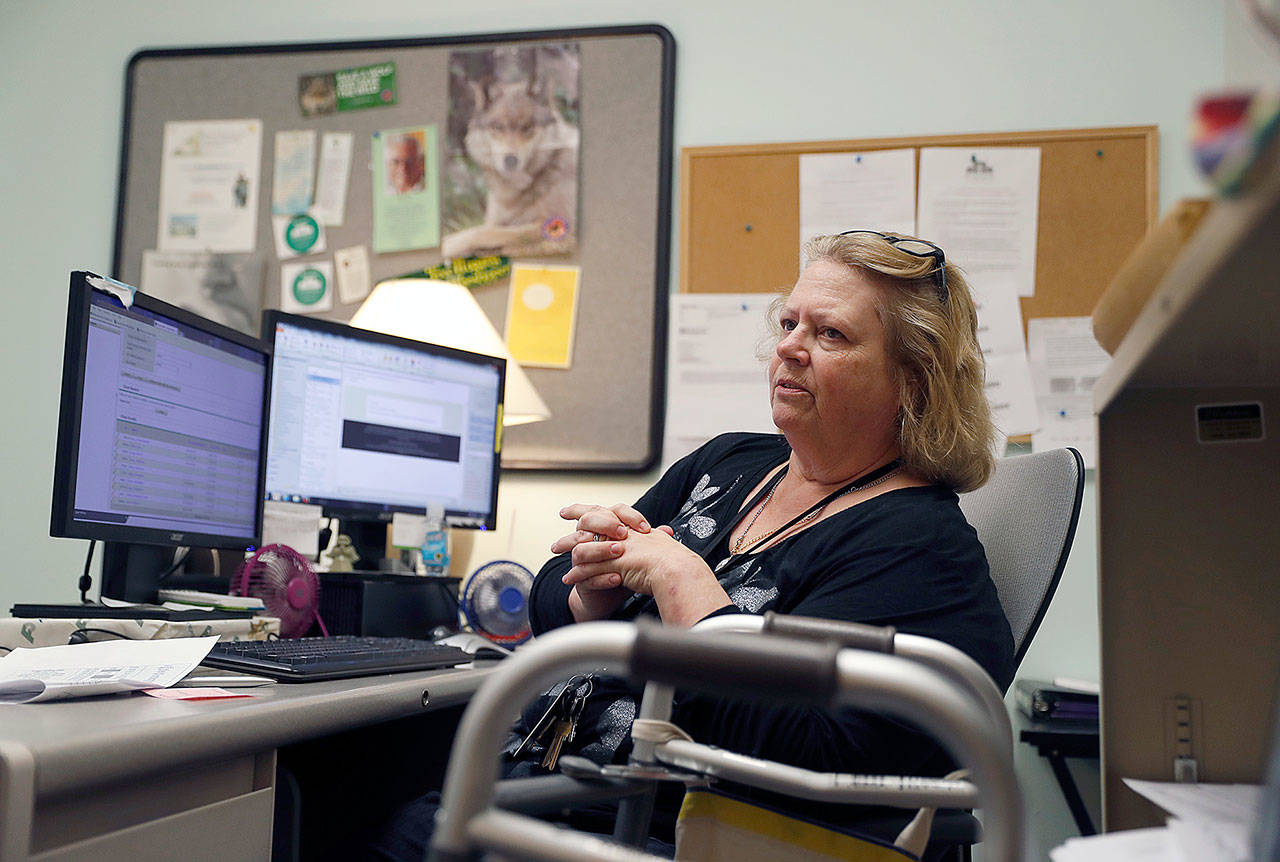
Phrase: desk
[1056,741]
[133,777]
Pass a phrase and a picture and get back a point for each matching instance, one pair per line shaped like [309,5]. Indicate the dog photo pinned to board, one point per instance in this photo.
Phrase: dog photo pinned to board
[511,162]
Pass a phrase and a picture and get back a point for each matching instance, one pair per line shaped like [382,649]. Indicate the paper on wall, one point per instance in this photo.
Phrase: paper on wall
[1011,394]
[873,190]
[294,524]
[542,309]
[1066,360]
[330,204]
[209,173]
[715,383]
[406,189]
[981,205]
[352,265]
[222,287]
[293,172]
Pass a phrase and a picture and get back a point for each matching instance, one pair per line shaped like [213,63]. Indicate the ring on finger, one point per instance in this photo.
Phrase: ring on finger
[596,537]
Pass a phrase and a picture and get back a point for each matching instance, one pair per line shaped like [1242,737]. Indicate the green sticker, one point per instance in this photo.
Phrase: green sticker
[309,287]
[365,87]
[301,233]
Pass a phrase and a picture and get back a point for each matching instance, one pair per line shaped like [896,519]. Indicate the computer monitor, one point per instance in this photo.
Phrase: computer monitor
[367,424]
[161,433]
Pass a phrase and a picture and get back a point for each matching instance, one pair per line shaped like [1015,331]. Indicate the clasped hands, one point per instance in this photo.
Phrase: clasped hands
[616,553]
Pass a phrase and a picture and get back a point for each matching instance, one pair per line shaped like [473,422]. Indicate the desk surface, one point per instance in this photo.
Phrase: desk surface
[77,744]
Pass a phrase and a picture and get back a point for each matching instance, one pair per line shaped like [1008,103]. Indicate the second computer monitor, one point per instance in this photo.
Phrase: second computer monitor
[366,424]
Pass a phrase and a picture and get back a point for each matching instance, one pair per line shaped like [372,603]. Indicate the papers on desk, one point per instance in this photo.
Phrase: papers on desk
[107,667]
[1210,823]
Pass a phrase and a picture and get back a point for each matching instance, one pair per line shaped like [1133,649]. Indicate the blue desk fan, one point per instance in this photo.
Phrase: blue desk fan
[495,602]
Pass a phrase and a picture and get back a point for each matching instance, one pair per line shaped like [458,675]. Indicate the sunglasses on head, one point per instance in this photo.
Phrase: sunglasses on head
[917,248]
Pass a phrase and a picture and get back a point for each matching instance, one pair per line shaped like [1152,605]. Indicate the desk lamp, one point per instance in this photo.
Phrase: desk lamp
[441,312]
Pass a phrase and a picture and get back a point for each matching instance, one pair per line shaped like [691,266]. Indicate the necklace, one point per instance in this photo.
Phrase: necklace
[870,480]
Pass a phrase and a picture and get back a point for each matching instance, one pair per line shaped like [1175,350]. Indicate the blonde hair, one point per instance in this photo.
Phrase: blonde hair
[944,419]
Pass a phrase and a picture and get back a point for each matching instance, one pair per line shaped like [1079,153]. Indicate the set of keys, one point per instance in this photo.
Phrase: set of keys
[559,724]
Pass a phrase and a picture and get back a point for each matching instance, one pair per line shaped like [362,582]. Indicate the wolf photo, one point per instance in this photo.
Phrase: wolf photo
[511,152]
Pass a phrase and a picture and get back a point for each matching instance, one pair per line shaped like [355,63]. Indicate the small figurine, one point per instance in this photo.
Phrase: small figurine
[342,555]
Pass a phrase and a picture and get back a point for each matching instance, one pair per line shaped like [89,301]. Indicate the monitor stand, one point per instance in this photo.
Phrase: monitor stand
[130,573]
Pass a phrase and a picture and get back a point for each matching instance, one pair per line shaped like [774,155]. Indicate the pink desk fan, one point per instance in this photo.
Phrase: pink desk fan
[287,585]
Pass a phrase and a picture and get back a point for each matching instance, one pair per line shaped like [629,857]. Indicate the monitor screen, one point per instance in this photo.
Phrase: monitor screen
[366,424]
[162,424]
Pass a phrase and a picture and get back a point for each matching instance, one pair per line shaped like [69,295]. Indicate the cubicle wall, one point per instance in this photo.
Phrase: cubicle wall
[607,406]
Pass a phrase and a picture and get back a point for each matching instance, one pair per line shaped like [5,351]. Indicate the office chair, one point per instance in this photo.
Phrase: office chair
[1026,518]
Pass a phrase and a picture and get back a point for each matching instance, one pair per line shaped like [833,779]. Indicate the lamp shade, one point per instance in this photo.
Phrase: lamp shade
[441,312]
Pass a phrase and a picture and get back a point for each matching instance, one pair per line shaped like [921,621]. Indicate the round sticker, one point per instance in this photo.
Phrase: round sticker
[538,296]
[301,233]
[309,286]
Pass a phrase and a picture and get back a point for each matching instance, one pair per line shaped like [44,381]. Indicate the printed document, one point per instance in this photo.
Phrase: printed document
[1066,360]
[209,177]
[715,383]
[105,667]
[875,190]
[981,205]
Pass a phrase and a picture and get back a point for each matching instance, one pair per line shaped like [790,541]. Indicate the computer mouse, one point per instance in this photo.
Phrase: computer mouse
[476,645]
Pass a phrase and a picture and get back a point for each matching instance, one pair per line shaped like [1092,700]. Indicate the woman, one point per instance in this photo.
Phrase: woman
[876,383]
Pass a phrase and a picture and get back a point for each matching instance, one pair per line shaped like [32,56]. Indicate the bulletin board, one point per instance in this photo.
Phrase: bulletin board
[607,405]
[1099,193]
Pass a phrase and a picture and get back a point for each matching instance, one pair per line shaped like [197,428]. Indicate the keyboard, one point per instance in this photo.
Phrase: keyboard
[333,657]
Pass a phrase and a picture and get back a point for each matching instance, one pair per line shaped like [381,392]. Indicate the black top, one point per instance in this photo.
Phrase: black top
[905,558]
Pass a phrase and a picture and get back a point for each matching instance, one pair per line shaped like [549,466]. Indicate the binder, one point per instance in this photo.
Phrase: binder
[1044,701]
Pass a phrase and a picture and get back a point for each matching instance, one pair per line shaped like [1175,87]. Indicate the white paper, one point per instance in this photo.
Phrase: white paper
[293,173]
[105,667]
[1132,845]
[354,278]
[1066,360]
[1011,394]
[715,383]
[1236,803]
[298,236]
[875,190]
[306,288]
[408,530]
[330,204]
[999,316]
[1211,822]
[222,287]
[294,524]
[982,207]
[209,176]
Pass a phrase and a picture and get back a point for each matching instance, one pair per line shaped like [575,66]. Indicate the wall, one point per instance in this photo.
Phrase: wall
[748,72]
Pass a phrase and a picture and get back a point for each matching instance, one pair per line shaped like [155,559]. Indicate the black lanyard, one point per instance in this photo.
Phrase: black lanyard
[856,484]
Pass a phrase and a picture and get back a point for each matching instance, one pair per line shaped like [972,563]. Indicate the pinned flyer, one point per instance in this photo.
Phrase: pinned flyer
[306,288]
[541,310]
[353,273]
[293,176]
[330,204]
[297,236]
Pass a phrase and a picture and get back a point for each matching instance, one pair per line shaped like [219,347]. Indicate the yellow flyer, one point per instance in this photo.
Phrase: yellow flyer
[541,310]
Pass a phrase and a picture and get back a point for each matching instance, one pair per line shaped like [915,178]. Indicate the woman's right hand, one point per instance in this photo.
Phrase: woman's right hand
[598,597]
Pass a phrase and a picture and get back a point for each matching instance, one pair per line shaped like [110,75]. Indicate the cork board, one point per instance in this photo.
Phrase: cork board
[626,93]
[1099,193]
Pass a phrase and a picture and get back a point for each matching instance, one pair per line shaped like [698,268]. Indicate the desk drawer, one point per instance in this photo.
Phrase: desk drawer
[234,829]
